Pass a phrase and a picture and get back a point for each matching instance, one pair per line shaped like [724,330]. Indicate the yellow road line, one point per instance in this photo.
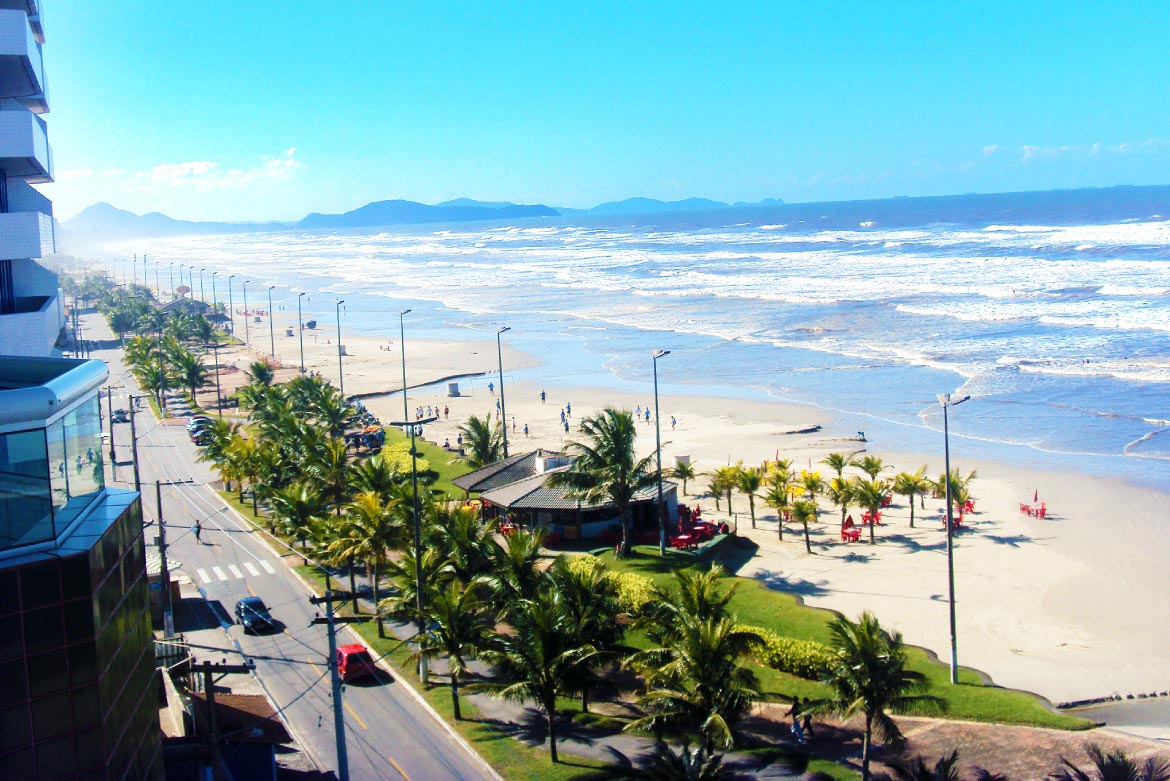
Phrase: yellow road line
[356,717]
[398,768]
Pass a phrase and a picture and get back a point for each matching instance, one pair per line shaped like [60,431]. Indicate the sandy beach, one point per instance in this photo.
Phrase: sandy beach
[1070,607]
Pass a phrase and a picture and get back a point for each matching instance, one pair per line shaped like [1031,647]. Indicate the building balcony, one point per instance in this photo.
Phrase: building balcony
[33,328]
[26,235]
[33,9]
[22,71]
[24,146]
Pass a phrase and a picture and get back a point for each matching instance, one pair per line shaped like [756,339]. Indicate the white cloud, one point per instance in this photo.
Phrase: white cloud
[204,175]
[990,149]
[1150,146]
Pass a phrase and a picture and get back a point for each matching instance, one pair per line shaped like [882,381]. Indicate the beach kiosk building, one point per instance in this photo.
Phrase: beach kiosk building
[517,489]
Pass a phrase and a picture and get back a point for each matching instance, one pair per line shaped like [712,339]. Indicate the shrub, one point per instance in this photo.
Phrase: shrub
[398,455]
[802,658]
[633,590]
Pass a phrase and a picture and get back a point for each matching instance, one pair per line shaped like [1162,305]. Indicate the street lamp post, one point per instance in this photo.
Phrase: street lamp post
[658,451]
[157,287]
[202,296]
[231,306]
[418,584]
[271,333]
[301,331]
[246,337]
[218,394]
[945,401]
[134,269]
[214,297]
[172,276]
[340,369]
[503,407]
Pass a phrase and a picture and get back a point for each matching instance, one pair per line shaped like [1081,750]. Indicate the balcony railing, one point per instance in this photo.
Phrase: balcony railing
[24,146]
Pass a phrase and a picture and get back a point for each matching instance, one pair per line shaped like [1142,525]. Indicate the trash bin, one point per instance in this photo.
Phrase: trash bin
[453,389]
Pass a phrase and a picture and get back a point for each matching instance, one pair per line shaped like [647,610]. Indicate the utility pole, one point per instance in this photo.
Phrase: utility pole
[335,678]
[134,444]
[209,669]
[165,574]
[110,414]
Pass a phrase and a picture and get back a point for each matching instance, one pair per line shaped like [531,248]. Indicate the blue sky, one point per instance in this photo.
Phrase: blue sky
[268,110]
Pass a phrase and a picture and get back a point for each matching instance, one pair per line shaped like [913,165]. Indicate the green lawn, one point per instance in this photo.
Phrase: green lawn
[443,462]
[756,604]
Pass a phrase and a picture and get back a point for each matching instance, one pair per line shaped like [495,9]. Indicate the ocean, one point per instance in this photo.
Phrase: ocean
[1051,310]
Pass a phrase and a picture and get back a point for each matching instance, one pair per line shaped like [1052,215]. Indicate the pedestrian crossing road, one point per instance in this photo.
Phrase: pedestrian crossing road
[234,572]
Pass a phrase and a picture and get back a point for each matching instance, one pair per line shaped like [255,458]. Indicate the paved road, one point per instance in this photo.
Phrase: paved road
[389,733]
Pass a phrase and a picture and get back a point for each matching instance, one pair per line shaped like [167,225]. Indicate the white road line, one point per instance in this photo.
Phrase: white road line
[267,567]
[219,573]
[203,575]
[251,568]
[235,570]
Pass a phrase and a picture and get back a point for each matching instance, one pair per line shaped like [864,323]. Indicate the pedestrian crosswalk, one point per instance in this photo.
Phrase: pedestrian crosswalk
[234,572]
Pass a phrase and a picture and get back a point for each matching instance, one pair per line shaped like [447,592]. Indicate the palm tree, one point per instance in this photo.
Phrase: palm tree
[778,498]
[683,471]
[694,594]
[467,540]
[605,467]
[840,493]
[805,511]
[328,468]
[482,441]
[459,624]
[748,481]
[871,465]
[812,485]
[839,462]
[715,486]
[870,494]
[910,485]
[590,600]
[260,373]
[729,479]
[538,661]
[696,681]
[436,573]
[870,677]
[1114,766]
[296,508]
[371,528]
[375,474]
[946,768]
[516,573]
[665,765]
[191,372]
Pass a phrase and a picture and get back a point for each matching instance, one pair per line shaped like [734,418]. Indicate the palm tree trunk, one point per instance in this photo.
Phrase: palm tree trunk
[353,585]
[807,542]
[625,551]
[255,510]
[911,511]
[585,698]
[780,522]
[865,743]
[378,613]
[455,696]
[872,522]
[752,508]
[550,714]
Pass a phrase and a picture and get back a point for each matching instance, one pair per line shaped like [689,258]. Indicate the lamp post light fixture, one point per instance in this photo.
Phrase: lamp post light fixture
[301,331]
[340,369]
[418,584]
[231,307]
[246,339]
[271,333]
[202,296]
[945,401]
[503,407]
[658,451]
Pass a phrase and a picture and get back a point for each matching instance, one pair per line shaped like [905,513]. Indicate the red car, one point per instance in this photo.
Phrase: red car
[354,662]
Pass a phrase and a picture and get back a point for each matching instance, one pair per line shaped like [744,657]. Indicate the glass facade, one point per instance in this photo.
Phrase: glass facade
[49,476]
[79,693]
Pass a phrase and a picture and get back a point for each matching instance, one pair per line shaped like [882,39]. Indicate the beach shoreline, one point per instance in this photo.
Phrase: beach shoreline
[1046,605]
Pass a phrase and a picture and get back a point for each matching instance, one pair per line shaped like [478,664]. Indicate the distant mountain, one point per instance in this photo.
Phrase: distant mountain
[764,202]
[655,206]
[374,215]
[473,202]
[103,221]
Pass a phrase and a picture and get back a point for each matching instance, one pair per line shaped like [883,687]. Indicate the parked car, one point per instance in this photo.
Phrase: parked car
[198,421]
[253,615]
[120,416]
[354,662]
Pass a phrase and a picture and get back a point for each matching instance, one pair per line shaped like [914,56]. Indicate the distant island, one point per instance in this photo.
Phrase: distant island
[103,221]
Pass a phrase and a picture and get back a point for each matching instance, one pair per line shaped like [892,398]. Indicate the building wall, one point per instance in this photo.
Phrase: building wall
[79,699]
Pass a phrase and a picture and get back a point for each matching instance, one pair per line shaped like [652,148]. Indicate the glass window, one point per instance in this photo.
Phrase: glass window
[57,759]
[75,460]
[52,716]
[15,726]
[25,499]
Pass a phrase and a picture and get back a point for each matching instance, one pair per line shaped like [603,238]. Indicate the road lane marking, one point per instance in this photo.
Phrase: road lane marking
[251,569]
[203,575]
[267,567]
[356,717]
[235,570]
[399,768]
[219,573]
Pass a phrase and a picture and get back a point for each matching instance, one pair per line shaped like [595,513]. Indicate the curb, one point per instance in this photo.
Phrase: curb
[409,687]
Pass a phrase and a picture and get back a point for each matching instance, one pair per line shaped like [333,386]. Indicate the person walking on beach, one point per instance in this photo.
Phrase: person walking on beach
[492,388]
[542,396]
[569,408]
[673,422]
[525,429]
[647,414]
[446,412]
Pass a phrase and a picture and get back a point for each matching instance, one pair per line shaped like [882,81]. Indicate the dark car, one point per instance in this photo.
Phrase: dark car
[120,416]
[252,614]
